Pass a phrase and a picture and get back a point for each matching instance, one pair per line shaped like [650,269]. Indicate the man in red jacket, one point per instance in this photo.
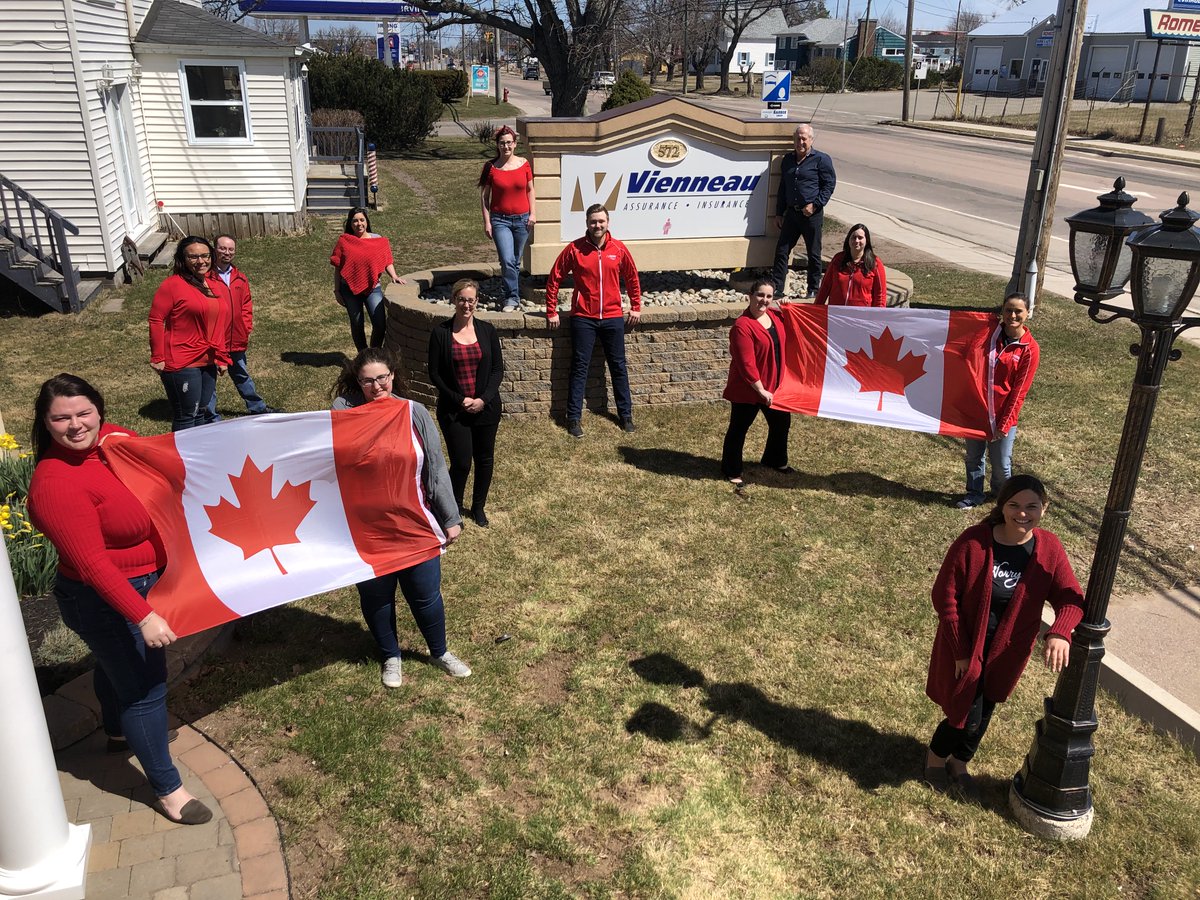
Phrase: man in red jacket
[598,261]
[238,291]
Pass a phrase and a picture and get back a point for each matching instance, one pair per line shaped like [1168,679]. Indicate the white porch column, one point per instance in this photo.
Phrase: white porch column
[41,854]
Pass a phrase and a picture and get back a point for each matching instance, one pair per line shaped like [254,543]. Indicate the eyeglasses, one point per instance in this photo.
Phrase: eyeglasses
[196,257]
[378,380]
[507,143]
[470,300]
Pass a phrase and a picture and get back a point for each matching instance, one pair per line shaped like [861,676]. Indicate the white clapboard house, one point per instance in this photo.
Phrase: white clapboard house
[121,120]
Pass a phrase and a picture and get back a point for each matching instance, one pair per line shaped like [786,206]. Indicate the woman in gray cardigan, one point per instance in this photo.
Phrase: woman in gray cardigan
[369,379]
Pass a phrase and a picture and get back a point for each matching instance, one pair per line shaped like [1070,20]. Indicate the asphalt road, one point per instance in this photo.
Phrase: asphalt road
[951,195]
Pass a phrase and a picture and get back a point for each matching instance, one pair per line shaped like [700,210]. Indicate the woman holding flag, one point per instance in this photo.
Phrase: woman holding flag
[371,378]
[1012,362]
[756,348]
[109,556]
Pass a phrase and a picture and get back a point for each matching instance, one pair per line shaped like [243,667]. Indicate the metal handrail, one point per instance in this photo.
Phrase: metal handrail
[51,250]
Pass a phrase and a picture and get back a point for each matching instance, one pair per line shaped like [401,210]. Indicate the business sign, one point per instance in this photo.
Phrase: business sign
[1191,5]
[392,41]
[772,113]
[708,191]
[1045,39]
[336,9]
[1173,25]
[481,79]
[777,86]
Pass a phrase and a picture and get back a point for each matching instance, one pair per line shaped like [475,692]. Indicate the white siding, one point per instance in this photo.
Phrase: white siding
[103,38]
[198,178]
[42,142]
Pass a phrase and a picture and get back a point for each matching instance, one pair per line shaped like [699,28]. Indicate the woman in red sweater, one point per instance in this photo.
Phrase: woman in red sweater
[1013,361]
[359,259]
[109,557]
[855,276]
[507,199]
[189,334]
[989,596]
[756,348]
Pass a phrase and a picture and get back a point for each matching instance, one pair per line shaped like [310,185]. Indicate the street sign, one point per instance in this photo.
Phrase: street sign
[480,79]
[921,70]
[773,113]
[1046,38]
[777,86]
[774,104]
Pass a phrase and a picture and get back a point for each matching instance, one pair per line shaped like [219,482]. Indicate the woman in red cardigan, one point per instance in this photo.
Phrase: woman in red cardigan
[359,259]
[988,597]
[855,276]
[756,348]
[109,556]
[189,334]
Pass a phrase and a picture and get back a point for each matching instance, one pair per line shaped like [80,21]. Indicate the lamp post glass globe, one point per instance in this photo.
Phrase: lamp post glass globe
[1166,265]
[1100,259]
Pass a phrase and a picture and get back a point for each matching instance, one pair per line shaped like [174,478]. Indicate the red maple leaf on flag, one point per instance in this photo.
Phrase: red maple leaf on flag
[262,522]
[882,369]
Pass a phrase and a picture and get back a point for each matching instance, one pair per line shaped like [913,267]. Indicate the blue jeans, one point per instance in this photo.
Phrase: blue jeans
[358,306]
[190,393]
[999,453]
[240,375]
[611,333]
[510,233]
[130,678]
[422,588]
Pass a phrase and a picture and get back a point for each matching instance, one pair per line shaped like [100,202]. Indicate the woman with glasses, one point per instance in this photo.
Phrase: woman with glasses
[359,259]
[189,333]
[465,366]
[508,202]
[371,378]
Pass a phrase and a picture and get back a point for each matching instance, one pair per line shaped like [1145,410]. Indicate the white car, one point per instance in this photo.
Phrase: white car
[602,81]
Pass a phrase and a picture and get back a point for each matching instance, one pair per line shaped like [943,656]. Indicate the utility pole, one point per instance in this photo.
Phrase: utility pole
[496,51]
[908,59]
[845,41]
[684,54]
[962,63]
[1033,240]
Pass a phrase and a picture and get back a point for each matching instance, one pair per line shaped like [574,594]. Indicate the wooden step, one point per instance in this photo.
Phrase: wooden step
[150,243]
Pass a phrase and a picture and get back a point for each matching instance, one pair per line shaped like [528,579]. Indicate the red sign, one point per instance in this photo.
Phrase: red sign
[1172,24]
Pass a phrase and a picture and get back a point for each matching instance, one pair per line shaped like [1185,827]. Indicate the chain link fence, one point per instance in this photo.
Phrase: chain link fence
[1106,106]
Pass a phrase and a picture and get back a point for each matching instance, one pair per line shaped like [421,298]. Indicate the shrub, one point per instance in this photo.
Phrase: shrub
[485,132]
[337,118]
[874,74]
[399,107]
[448,84]
[628,89]
[31,556]
[822,74]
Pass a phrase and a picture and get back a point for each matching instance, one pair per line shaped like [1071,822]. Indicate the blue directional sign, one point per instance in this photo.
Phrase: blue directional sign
[777,87]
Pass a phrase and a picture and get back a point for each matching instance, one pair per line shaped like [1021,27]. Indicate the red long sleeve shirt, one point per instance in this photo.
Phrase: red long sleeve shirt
[853,288]
[103,535]
[188,328]
[241,322]
[1013,370]
[598,272]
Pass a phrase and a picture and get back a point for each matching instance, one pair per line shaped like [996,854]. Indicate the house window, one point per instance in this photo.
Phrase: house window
[770,62]
[214,95]
[1014,67]
[744,59]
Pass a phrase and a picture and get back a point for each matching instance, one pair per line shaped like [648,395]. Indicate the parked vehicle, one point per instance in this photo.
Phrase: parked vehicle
[531,73]
[602,81]
[546,86]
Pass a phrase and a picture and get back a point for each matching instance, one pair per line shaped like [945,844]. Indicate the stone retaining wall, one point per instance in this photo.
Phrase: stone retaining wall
[677,354]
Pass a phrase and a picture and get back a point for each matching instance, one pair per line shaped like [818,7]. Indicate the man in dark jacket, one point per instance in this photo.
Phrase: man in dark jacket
[805,186]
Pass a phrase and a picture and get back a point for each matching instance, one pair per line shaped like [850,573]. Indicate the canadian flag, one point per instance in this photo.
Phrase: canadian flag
[264,510]
[917,369]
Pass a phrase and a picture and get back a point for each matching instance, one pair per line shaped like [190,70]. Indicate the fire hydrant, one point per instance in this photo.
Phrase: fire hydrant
[506,95]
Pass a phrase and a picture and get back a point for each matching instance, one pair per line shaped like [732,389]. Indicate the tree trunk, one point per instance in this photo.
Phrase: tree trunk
[570,81]
[726,60]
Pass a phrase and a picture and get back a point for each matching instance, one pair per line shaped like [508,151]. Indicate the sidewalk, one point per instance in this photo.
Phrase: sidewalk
[135,852]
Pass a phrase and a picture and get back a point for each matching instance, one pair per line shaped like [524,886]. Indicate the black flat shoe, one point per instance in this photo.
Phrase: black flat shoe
[193,813]
[480,518]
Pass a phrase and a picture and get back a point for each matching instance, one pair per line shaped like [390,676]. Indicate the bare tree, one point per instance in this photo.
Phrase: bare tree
[226,9]
[654,26]
[344,41]
[735,16]
[964,21]
[892,22]
[285,30]
[704,40]
[569,48]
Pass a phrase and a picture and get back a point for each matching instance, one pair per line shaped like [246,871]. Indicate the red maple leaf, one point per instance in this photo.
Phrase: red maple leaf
[882,369]
[262,522]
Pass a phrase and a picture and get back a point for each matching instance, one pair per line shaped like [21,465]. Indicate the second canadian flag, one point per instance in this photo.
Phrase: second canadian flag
[917,369]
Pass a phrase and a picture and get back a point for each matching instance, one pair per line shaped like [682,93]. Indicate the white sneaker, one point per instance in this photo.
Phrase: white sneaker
[391,677]
[452,665]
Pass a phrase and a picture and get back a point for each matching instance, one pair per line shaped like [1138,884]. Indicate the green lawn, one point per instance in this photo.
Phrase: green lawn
[704,694]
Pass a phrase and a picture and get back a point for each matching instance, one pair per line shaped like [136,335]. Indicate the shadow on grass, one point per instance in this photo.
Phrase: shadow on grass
[869,756]
[158,410]
[335,360]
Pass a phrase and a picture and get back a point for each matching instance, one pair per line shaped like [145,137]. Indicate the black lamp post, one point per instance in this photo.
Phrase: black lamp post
[1109,245]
